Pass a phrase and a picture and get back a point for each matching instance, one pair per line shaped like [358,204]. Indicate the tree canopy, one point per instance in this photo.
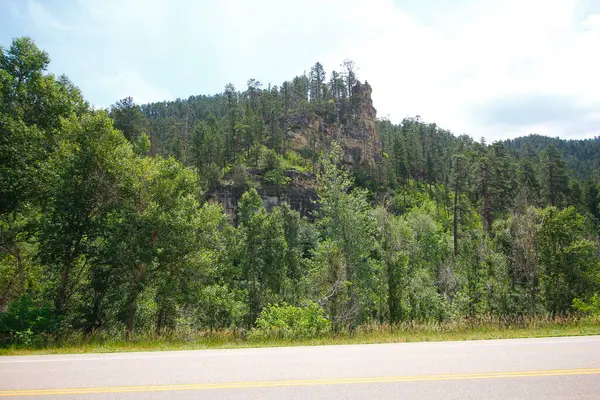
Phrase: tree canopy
[254,209]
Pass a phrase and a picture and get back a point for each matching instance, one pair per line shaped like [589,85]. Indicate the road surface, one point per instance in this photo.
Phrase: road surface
[552,368]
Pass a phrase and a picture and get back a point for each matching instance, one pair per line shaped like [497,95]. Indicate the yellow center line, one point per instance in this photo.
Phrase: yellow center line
[307,382]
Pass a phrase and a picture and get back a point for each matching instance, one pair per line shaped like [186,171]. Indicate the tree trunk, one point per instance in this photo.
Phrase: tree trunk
[161,319]
[5,296]
[486,200]
[255,297]
[551,186]
[532,295]
[393,303]
[131,310]
[95,320]
[455,222]
[20,268]
[131,307]
[62,288]
[166,309]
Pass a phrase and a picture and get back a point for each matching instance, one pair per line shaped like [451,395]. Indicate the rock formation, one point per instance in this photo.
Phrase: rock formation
[354,128]
[351,123]
[360,139]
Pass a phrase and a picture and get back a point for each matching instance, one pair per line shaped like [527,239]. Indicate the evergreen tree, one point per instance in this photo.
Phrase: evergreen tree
[554,177]
[317,82]
[128,118]
[104,227]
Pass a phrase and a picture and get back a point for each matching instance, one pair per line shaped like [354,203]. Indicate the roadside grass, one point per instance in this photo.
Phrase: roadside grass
[403,333]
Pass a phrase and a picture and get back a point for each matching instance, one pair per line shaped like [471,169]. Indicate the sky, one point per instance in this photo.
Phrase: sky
[486,68]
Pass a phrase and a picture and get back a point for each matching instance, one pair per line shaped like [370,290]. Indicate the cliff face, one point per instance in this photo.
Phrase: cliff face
[350,123]
[359,138]
[300,195]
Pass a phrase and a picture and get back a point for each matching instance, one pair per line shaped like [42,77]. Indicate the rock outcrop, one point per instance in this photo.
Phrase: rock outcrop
[360,139]
[351,123]
[300,194]
[353,126]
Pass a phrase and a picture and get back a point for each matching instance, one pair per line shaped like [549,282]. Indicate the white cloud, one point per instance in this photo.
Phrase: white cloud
[135,24]
[42,18]
[128,81]
[592,22]
[479,54]
[457,64]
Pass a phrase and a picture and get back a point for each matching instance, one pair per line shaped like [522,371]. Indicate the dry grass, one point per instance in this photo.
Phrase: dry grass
[410,332]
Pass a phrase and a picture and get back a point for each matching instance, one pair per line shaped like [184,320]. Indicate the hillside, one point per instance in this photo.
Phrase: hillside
[280,211]
[296,120]
[582,156]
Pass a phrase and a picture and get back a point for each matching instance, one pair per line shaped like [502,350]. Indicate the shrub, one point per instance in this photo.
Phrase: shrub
[220,308]
[589,307]
[293,160]
[240,175]
[24,320]
[277,177]
[290,322]
[271,160]
[211,176]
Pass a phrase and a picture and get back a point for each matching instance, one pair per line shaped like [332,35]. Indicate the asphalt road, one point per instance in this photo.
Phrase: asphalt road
[553,368]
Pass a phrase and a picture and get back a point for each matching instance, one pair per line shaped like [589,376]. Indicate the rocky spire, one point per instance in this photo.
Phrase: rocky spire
[359,136]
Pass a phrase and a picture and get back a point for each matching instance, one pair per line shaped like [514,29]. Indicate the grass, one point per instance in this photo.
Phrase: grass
[413,332]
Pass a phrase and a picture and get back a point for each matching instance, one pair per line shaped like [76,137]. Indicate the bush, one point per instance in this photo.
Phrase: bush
[211,176]
[240,175]
[24,320]
[277,177]
[293,160]
[220,308]
[290,322]
[588,307]
[271,160]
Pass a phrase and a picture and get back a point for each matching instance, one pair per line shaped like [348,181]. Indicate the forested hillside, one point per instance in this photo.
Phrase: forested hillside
[582,156]
[286,210]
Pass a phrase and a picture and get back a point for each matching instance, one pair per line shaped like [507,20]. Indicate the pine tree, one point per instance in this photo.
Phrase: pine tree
[317,80]
[555,183]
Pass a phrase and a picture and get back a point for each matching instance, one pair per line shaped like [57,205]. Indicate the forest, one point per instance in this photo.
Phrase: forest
[284,210]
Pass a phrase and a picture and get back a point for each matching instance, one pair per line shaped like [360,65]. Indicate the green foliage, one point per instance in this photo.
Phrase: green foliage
[105,221]
[517,239]
[211,177]
[240,175]
[24,320]
[395,235]
[129,119]
[208,144]
[293,160]
[89,172]
[569,260]
[220,308]
[154,238]
[582,156]
[589,307]
[555,182]
[289,322]
[262,252]
[142,144]
[277,177]
[32,104]
[348,221]
[271,160]
[294,230]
